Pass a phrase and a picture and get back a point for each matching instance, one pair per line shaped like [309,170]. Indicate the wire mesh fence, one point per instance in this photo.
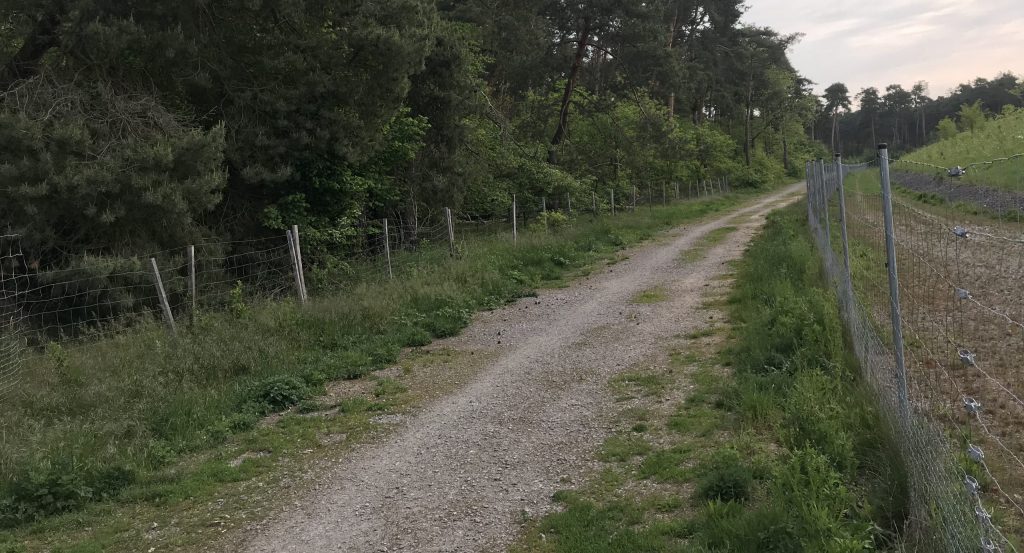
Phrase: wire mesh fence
[97,297]
[929,289]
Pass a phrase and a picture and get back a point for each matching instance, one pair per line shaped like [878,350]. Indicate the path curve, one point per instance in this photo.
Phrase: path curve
[460,473]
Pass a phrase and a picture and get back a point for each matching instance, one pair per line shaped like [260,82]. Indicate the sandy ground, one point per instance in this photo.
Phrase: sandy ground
[462,473]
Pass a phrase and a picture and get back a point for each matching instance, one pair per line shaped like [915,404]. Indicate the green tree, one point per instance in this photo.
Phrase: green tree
[946,128]
[870,108]
[971,116]
[920,102]
[138,178]
[837,100]
[898,103]
[308,92]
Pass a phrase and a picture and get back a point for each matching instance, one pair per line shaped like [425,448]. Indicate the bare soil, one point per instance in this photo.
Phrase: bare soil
[464,472]
[1001,202]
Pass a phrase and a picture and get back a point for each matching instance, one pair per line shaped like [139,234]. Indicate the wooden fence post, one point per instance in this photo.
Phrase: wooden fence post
[164,304]
[515,221]
[298,259]
[451,230]
[192,292]
[296,270]
[387,248]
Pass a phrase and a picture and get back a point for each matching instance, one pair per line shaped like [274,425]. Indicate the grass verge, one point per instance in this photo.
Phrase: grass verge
[709,241]
[762,442]
[105,438]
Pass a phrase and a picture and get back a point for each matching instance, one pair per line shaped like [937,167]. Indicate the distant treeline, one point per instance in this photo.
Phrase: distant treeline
[910,119]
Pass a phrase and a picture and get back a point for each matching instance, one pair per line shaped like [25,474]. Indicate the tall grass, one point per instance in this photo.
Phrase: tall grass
[90,420]
[838,486]
[997,138]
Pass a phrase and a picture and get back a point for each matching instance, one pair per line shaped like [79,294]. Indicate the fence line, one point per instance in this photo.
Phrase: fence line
[954,404]
[100,297]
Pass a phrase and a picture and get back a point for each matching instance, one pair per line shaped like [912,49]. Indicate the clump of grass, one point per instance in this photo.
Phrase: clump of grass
[701,333]
[648,384]
[710,240]
[623,447]
[725,477]
[657,294]
[388,387]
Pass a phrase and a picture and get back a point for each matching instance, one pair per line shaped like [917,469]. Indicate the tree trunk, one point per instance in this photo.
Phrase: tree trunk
[835,123]
[785,152]
[25,63]
[748,114]
[671,42]
[924,127]
[570,86]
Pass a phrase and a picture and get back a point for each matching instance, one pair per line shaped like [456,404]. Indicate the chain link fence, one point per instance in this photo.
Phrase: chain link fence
[930,295]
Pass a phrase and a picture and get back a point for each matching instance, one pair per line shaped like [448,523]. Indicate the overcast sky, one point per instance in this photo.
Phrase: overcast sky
[943,42]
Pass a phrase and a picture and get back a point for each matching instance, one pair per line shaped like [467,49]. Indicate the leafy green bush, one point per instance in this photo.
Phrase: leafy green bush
[550,221]
[52,489]
[277,393]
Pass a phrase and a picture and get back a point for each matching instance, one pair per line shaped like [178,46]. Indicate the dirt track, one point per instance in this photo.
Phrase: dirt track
[460,474]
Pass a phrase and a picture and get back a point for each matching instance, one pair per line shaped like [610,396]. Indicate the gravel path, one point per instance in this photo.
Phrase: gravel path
[461,473]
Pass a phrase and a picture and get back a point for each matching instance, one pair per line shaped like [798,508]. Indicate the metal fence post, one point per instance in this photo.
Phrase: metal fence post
[840,190]
[894,283]
[613,202]
[823,193]
[593,201]
[809,181]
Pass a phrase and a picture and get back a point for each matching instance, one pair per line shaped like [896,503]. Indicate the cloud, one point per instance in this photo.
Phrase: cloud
[943,42]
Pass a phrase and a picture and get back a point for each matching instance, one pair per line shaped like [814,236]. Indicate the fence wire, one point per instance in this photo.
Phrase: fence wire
[94,297]
[953,400]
